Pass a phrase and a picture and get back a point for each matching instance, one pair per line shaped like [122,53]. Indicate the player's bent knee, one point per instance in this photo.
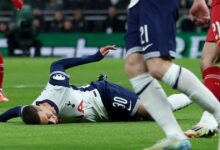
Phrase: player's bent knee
[155,72]
[134,69]
[210,56]
[158,67]
[206,62]
[203,64]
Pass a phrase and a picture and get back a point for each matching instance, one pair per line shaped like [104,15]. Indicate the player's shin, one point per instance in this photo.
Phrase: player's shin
[182,79]
[155,102]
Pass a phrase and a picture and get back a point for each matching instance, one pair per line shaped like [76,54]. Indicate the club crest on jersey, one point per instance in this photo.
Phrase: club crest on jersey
[59,77]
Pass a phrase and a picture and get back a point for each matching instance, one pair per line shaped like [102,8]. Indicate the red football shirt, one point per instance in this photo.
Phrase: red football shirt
[214,29]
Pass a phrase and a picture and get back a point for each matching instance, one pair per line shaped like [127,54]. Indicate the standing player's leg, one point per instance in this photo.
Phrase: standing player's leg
[173,75]
[149,90]
[202,96]
[2,95]
[211,75]
[207,126]
[210,69]
[159,43]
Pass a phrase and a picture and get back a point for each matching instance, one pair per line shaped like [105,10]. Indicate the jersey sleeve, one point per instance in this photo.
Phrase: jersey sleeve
[11,113]
[63,64]
[58,75]
[54,95]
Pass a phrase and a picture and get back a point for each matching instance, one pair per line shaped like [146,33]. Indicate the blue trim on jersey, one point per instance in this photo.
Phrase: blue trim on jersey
[49,102]
[83,89]
[74,87]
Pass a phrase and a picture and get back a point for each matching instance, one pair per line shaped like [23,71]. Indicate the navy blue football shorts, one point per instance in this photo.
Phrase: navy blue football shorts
[120,103]
[152,28]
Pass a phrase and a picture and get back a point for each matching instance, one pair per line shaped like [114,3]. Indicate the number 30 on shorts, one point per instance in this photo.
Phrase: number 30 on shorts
[119,102]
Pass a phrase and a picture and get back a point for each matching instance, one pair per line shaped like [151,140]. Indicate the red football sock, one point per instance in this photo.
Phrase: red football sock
[1,70]
[211,78]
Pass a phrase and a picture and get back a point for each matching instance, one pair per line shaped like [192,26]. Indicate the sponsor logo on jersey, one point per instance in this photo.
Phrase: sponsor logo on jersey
[59,77]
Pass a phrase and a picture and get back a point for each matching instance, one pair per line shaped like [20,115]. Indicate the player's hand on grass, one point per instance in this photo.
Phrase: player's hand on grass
[19,4]
[105,50]
[199,13]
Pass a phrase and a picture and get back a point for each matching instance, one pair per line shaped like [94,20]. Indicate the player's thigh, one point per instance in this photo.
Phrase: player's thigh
[135,65]
[210,55]
[132,37]
[158,66]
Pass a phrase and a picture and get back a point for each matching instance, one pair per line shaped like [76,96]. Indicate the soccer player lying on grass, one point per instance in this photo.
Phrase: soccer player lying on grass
[100,100]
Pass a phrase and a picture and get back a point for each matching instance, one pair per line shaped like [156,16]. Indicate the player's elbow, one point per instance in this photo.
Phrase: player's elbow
[55,66]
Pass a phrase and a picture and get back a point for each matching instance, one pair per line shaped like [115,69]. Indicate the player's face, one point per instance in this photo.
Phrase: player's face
[47,116]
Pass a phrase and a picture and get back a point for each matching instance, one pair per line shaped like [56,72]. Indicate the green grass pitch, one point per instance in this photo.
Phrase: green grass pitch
[26,77]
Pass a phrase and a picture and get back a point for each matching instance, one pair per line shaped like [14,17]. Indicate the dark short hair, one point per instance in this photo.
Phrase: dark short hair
[30,115]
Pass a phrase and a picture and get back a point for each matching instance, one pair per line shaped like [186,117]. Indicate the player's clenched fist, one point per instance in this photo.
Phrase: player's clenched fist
[19,4]
[199,12]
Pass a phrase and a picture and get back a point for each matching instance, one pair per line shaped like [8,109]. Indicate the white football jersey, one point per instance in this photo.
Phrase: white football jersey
[74,105]
[132,3]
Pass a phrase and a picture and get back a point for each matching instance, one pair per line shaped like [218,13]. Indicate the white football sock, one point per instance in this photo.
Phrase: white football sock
[178,101]
[188,83]
[155,101]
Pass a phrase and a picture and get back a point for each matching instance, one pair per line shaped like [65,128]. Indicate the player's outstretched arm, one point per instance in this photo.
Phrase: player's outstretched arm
[105,50]
[11,113]
[63,64]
